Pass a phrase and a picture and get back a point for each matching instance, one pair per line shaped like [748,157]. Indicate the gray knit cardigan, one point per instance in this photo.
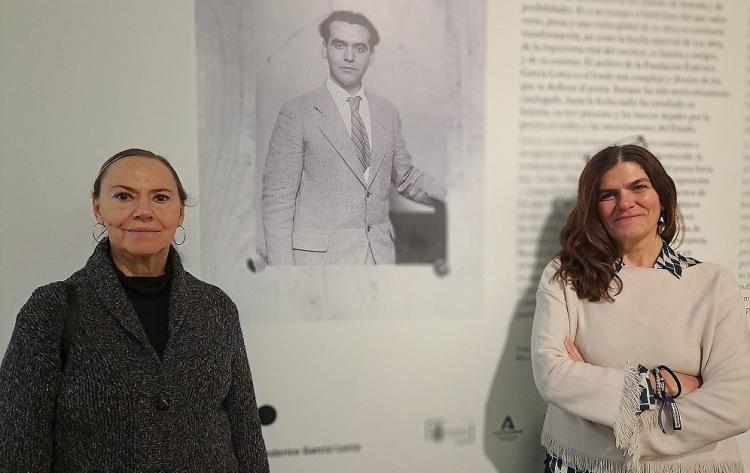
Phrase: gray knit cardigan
[116,407]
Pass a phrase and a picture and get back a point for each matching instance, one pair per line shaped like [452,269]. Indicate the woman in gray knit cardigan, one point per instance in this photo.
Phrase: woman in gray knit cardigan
[153,376]
[643,354]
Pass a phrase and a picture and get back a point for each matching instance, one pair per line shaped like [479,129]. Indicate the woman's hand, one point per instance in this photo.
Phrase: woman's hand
[573,352]
[689,383]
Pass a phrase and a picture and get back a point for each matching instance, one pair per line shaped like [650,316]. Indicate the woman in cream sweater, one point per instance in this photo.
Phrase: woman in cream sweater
[643,354]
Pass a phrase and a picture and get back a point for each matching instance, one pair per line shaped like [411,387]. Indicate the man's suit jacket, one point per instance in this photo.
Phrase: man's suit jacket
[317,207]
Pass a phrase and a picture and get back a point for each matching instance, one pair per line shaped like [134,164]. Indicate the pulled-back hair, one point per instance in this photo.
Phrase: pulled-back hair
[588,252]
[141,153]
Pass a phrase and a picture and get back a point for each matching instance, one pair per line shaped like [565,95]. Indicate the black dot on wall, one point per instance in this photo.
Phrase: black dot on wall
[267,414]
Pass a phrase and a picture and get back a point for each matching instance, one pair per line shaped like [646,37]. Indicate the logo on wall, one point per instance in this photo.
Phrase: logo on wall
[267,414]
[508,430]
[454,431]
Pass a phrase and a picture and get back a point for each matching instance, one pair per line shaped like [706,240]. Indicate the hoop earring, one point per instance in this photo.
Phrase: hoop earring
[99,234]
[184,236]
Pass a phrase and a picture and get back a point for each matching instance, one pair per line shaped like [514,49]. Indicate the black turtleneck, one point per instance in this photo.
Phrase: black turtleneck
[150,298]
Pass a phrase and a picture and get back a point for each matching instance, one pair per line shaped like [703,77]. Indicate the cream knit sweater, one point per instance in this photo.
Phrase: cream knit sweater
[695,325]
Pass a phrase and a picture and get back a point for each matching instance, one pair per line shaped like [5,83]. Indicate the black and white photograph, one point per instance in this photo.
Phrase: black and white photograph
[341,134]
[336,152]
[330,180]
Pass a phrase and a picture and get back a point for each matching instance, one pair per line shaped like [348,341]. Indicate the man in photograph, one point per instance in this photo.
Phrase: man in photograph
[333,157]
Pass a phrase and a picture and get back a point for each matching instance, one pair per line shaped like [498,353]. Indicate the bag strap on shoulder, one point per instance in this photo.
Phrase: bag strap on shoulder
[71,321]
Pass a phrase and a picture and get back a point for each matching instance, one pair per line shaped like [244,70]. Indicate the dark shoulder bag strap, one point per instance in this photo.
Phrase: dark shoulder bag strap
[71,321]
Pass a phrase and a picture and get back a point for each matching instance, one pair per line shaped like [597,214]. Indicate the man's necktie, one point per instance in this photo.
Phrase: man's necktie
[359,133]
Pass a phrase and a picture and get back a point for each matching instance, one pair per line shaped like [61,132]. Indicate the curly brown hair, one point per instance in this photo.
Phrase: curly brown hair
[588,252]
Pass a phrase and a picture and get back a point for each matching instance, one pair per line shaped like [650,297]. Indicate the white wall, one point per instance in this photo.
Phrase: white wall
[79,81]
[82,79]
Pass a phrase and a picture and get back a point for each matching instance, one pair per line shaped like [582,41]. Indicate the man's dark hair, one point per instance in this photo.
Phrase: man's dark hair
[351,18]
